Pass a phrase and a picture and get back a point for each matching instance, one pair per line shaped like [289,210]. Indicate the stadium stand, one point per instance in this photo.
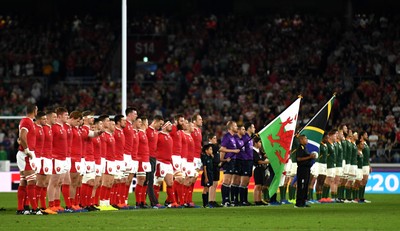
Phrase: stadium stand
[223,66]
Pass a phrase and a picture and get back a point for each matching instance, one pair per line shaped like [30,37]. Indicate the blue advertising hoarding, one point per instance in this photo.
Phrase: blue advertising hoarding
[383,183]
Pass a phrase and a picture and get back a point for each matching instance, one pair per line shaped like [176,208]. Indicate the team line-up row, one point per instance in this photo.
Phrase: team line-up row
[92,162]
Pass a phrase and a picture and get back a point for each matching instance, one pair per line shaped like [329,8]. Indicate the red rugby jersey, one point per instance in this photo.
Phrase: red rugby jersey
[164,148]
[103,145]
[76,147]
[60,141]
[152,136]
[191,147]
[198,141]
[135,145]
[128,132]
[177,140]
[143,150]
[87,144]
[119,144]
[39,140]
[110,146]
[68,129]
[28,125]
[48,141]
[96,144]
[184,151]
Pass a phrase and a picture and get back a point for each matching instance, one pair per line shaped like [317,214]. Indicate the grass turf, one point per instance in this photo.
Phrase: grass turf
[382,214]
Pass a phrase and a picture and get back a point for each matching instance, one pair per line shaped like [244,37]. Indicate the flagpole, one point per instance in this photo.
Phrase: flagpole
[265,127]
[334,95]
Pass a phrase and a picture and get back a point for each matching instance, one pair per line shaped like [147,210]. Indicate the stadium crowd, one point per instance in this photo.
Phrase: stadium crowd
[225,67]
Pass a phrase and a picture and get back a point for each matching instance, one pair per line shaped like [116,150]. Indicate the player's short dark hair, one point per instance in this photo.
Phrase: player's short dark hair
[40,114]
[194,117]
[76,115]
[129,110]
[143,118]
[333,131]
[30,108]
[87,113]
[177,116]
[50,111]
[103,117]
[256,139]
[158,117]
[118,118]
[61,110]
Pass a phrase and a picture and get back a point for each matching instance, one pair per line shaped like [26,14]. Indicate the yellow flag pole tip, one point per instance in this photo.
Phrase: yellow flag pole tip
[300,96]
[334,93]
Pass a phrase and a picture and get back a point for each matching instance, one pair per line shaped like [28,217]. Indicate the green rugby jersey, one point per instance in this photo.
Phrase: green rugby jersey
[354,151]
[339,154]
[366,154]
[331,157]
[359,159]
[344,149]
[323,152]
[349,150]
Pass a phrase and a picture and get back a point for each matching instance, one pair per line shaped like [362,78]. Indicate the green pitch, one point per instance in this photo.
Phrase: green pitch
[382,214]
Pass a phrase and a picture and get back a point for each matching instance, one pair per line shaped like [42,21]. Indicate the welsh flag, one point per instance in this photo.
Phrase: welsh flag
[277,138]
[315,128]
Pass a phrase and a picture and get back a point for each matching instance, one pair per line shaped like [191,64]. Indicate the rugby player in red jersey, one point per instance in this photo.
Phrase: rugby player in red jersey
[110,168]
[47,164]
[76,159]
[88,171]
[190,171]
[176,135]
[152,135]
[97,151]
[164,168]
[144,164]
[59,153]
[65,177]
[120,178]
[130,135]
[197,136]
[41,178]
[26,162]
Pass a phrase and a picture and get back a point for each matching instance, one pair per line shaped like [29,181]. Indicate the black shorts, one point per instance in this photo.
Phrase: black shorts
[216,171]
[229,167]
[245,167]
[203,181]
[259,176]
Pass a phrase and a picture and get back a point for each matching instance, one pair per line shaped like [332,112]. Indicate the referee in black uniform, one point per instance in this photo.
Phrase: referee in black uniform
[303,172]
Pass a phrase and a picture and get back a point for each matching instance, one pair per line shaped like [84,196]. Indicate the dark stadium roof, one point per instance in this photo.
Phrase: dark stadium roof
[112,7]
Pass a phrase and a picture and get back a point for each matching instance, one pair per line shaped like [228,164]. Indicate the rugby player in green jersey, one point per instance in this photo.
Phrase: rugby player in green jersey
[330,167]
[352,169]
[366,166]
[321,166]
